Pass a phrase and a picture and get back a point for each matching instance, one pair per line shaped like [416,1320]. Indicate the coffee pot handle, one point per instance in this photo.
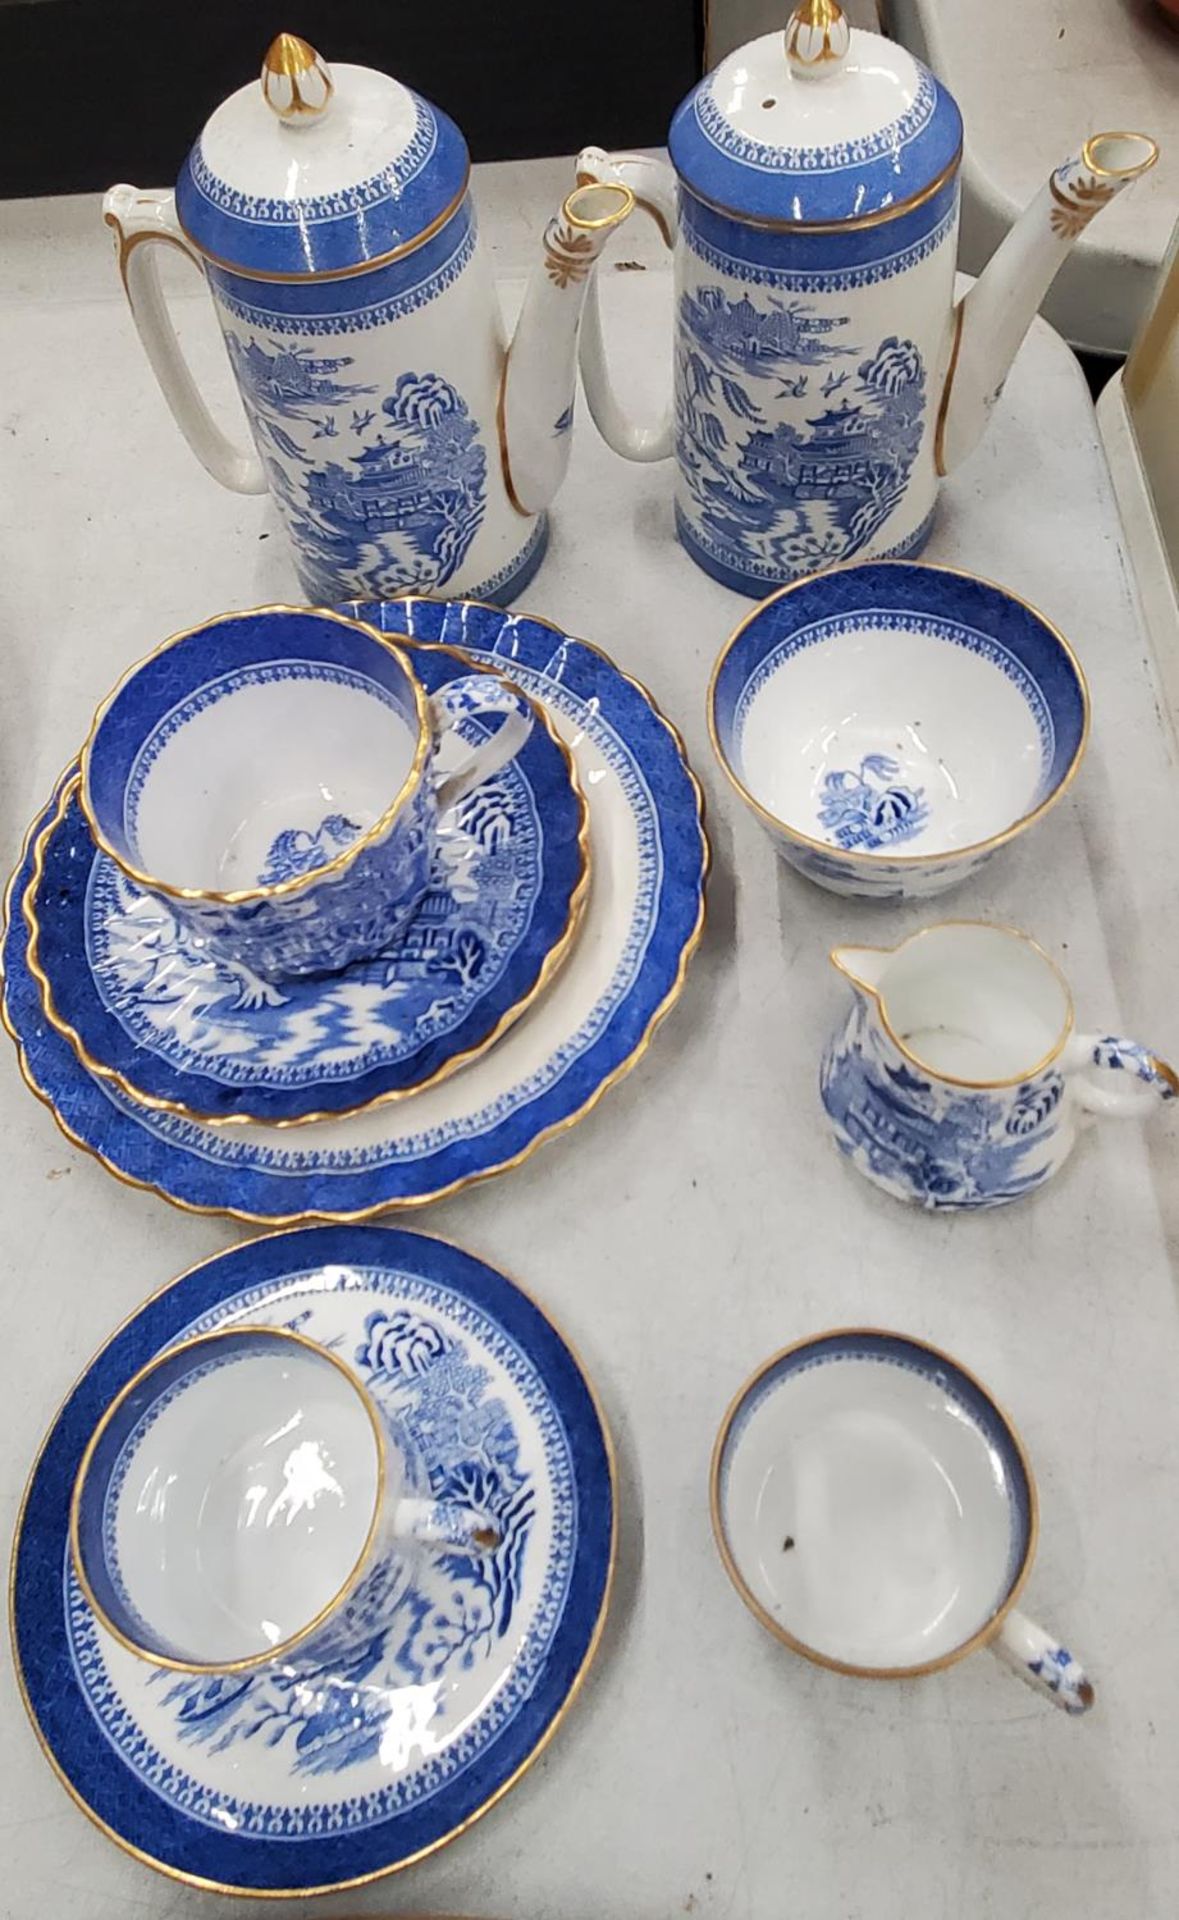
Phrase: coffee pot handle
[1145,1079]
[653,184]
[143,221]
[1043,1662]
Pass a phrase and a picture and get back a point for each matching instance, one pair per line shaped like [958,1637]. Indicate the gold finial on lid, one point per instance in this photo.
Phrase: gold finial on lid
[817,38]
[296,82]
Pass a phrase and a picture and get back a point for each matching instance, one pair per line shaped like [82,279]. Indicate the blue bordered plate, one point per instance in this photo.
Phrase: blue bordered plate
[290,1782]
[146,1007]
[641,927]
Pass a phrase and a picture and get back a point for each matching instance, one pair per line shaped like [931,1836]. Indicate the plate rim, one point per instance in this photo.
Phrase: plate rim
[553,960]
[404,1204]
[572,1692]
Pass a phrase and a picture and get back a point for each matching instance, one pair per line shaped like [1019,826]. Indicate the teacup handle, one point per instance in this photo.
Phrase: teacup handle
[1040,1660]
[489,757]
[445,1523]
[1148,1079]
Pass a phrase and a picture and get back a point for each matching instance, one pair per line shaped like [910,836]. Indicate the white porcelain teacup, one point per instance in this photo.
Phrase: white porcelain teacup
[272,775]
[876,1511]
[242,1501]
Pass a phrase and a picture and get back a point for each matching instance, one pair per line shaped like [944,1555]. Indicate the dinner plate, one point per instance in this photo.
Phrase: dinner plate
[300,1778]
[145,1005]
[649,857]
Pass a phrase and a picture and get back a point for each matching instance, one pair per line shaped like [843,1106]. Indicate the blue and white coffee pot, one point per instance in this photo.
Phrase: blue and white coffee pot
[824,378]
[405,445]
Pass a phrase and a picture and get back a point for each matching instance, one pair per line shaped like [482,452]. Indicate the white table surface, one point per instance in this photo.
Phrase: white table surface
[1033,79]
[699,1218]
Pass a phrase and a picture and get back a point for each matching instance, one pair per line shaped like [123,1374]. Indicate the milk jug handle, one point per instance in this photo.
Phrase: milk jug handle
[142,222]
[1040,1660]
[1119,1077]
[653,184]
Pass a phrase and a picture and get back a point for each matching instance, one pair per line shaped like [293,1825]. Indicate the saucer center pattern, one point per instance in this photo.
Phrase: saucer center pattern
[419,1686]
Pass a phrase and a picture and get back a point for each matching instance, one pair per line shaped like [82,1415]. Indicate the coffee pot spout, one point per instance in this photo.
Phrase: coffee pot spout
[540,374]
[990,322]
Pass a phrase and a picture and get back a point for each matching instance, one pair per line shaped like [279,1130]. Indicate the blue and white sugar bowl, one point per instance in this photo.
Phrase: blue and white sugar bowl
[892,724]
[958,1079]
[824,378]
[273,775]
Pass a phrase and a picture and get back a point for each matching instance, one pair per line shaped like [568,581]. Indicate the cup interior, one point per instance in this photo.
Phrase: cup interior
[252,750]
[228,1498]
[898,711]
[975,1003]
[872,1503]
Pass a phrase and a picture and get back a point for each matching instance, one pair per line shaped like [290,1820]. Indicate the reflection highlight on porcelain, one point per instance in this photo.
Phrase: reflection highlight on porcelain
[244,1497]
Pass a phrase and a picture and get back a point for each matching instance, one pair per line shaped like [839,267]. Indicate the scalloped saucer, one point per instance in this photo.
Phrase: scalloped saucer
[642,925]
[146,1006]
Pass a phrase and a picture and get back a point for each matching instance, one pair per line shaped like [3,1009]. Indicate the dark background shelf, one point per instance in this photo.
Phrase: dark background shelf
[103,90]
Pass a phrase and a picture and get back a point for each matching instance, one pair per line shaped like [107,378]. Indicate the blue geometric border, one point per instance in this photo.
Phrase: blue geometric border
[128,1809]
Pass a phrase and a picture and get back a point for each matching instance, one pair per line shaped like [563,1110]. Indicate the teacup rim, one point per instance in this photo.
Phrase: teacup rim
[990,1627]
[311,876]
[247,1663]
[872,862]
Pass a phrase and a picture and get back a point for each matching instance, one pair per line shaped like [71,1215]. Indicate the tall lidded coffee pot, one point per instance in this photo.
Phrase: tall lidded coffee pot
[406,445]
[824,377]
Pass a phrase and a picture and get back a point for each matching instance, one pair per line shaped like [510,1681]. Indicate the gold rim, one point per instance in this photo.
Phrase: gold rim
[1120,173]
[990,1627]
[935,1073]
[857,225]
[338,273]
[943,405]
[279,889]
[867,863]
[251,1662]
[359,1215]
[501,434]
[625,207]
[553,961]
[381,1873]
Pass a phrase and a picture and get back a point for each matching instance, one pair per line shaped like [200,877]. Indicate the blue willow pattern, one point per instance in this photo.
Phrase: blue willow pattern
[931,1143]
[871,806]
[212,1015]
[402,507]
[792,496]
[415,1624]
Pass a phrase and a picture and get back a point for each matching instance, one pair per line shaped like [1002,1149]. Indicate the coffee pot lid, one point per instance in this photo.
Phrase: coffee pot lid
[819,125]
[317,172]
